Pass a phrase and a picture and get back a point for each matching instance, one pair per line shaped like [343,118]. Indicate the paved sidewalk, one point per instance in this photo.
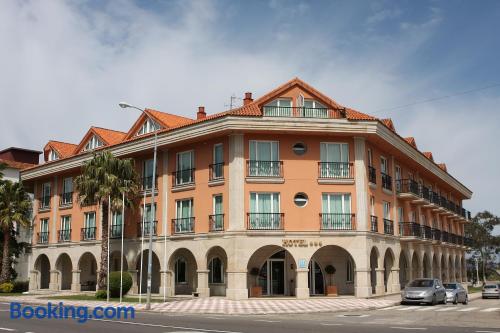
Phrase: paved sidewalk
[224,306]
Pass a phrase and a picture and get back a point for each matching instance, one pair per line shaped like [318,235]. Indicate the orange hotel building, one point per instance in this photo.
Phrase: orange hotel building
[258,201]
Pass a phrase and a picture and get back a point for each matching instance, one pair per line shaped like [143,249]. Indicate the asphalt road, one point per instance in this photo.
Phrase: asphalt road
[480,316]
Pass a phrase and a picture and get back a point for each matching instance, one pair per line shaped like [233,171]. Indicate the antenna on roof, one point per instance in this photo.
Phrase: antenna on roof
[232,102]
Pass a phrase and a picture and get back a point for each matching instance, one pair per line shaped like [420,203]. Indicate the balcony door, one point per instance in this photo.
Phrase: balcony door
[334,160]
[89,226]
[147,174]
[336,211]
[264,158]
[316,279]
[185,164]
[265,211]
[184,212]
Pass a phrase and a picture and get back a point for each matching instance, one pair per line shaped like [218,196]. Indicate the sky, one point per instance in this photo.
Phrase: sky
[66,65]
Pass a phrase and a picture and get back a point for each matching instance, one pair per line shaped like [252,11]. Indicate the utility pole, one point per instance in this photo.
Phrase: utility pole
[477,270]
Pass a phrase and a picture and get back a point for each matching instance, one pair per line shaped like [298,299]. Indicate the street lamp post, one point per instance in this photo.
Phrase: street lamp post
[152,215]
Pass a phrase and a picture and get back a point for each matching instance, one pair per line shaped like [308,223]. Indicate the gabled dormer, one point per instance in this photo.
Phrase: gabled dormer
[53,155]
[98,137]
[148,126]
[93,143]
[152,120]
[55,150]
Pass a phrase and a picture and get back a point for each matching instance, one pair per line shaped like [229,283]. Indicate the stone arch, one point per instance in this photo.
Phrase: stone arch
[343,281]
[404,269]
[426,266]
[184,267]
[64,267]
[271,270]
[87,265]
[115,263]
[216,259]
[374,258]
[142,266]
[42,266]
[389,265]
[415,266]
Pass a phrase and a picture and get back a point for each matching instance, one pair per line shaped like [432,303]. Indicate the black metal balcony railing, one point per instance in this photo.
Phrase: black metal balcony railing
[64,235]
[44,203]
[468,241]
[216,171]
[147,183]
[373,223]
[115,231]
[386,181]
[183,225]
[302,112]
[145,226]
[435,198]
[388,227]
[216,222]
[183,177]
[337,221]
[445,237]
[265,221]
[88,233]
[425,193]
[372,175]
[443,202]
[407,186]
[42,237]
[66,199]
[410,229]
[426,232]
[436,234]
[335,170]
[264,168]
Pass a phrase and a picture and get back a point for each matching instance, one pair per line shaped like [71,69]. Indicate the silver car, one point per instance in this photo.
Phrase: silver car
[456,293]
[429,291]
[491,290]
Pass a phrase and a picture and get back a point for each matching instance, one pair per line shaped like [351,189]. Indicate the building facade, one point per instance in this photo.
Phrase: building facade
[289,195]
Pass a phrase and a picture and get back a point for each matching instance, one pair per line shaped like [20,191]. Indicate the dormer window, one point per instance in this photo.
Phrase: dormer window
[281,107]
[148,126]
[93,143]
[53,155]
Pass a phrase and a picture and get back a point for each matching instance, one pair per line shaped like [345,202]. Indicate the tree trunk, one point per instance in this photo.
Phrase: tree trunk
[103,270]
[5,273]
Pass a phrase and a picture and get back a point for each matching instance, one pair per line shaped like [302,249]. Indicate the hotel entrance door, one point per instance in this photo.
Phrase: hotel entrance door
[277,277]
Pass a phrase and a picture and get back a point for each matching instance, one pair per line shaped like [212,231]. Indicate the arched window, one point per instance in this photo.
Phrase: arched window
[180,271]
[216,268]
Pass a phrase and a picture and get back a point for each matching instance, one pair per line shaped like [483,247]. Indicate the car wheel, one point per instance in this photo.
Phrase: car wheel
[403,303]
[455,300]
[466,300]
[444,300]
[433,302]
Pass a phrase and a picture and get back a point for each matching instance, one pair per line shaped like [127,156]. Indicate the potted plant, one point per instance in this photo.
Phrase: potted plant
[331,289]
[256,290]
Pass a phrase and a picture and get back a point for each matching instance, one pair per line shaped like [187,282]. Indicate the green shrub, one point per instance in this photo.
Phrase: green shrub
[21,286]
[114,283]
[101,294]
[6,287]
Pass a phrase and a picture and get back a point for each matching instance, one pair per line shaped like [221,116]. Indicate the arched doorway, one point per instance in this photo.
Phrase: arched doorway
[426,265]
[216,265]
[373,268]
[155,272]
[88,272]
[42,265]
[115,263]
[65,268]
[388,266]
[320,282]
[415,267]
[275,272]
[404,270]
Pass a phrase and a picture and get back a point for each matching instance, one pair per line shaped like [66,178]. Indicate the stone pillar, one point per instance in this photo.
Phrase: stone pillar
[363,286]
[302,286]
[34,283]
[54,207]
[203,290]
[75,282]
[135,286]
[396,287]
[168,279]
[54,280]
[236,183]
[380,286]
[360,180]
[237,285]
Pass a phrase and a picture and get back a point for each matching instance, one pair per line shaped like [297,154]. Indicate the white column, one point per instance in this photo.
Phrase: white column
[34,280]
[363,286]
[237,285]
[54,280]
[75,284]
[396,287]
[380,286]
[236,183]
[361,184]
[203,290]
[165,191]
[302,286]
[135,287]
[54,207]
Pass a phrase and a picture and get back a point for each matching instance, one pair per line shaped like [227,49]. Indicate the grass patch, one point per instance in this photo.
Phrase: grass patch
[93,298]
[474,289]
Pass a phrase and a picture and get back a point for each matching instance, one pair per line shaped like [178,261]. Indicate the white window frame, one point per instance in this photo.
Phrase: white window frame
[53,155]
[65,222]
[335,143]
[384,162]
[400,212]
[343,195]
[211,276]
[370,157]
[386,204]
[44,222]
[93,143]
[266,141]
[86,219]
[191,207]
[272,206]
[148,126]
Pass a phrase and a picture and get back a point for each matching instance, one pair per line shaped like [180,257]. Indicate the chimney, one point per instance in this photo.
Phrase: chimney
[201,113]
[248,98]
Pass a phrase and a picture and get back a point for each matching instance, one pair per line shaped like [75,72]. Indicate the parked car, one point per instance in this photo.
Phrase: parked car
[456,293]
[491,290]
[429,291]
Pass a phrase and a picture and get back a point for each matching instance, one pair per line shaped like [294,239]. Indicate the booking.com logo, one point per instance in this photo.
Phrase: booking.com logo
[61,311]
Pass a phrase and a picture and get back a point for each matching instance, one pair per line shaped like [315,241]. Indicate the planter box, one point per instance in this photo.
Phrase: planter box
[331,291]
[256,291]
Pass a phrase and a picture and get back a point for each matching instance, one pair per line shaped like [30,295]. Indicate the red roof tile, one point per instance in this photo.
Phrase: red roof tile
[64,149]
[110,137]
[388,122]
[443,166]
[428,154]
[411,141]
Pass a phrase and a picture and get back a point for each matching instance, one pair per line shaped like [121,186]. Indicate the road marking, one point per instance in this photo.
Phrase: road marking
[325,324]
[490,310]
[391,308]
[407,308]
[427,308]
[445,309]
[268,321]
[410,328]
[6,329]
[163,326]
[468,309]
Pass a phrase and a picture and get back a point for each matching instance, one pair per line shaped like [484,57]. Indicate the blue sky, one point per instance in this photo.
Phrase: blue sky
[66,65]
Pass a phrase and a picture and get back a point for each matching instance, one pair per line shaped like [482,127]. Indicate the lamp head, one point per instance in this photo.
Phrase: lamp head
[124,105]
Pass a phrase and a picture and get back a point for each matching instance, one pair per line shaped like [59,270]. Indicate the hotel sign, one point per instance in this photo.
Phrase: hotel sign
[300,243]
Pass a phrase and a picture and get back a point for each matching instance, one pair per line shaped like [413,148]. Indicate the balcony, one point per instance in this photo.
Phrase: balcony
[468,241]
[66,199]
[42,237]
[183,178]
[265,221]
[44,204]
[407,189]
[373,223]
[410,229]
[388,227]
[426,232]
[87,234]
[335,171]
[216,172]
[425,193]
[386,181]
[302,112]
[436,235]
[216,222]
[445,237]
[435,199]
[337,221]
[144,226]
[147,183]
[182,225]
[372,175]
[265,169]
[115,231]
[64,236]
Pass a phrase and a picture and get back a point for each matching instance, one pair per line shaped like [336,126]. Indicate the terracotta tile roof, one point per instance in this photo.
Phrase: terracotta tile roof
[428,154]
[167,119]
[388,122]
[356,115]
[64,149]
[411,141]
[16,165]
[443,166]
[110,137]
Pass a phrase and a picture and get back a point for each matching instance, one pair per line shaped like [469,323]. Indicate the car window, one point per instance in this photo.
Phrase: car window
[450,285]
[490,286]
[421,283]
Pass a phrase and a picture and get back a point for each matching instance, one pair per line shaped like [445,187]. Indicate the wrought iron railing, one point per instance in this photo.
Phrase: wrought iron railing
[426,232]
[144,226]
[42,237]
[183,177]
[66,199]
[436,234]
[372,175]
[183,225]
[410,229]
[44,203]
[64,235]
[264,168]
[216,222]
[386,181]
[265,221]
[337,221]
[335,170]
[147,183]
[373,223]
[407,186]
[425,193]
[115,230]
[216,171]
[388,227]
[302,112]
[88,233]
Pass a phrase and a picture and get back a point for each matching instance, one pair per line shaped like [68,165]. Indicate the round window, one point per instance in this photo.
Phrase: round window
[300,199]
[299,148]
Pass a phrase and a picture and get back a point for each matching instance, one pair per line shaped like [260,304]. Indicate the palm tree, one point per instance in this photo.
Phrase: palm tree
[15,207]
[106,178]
